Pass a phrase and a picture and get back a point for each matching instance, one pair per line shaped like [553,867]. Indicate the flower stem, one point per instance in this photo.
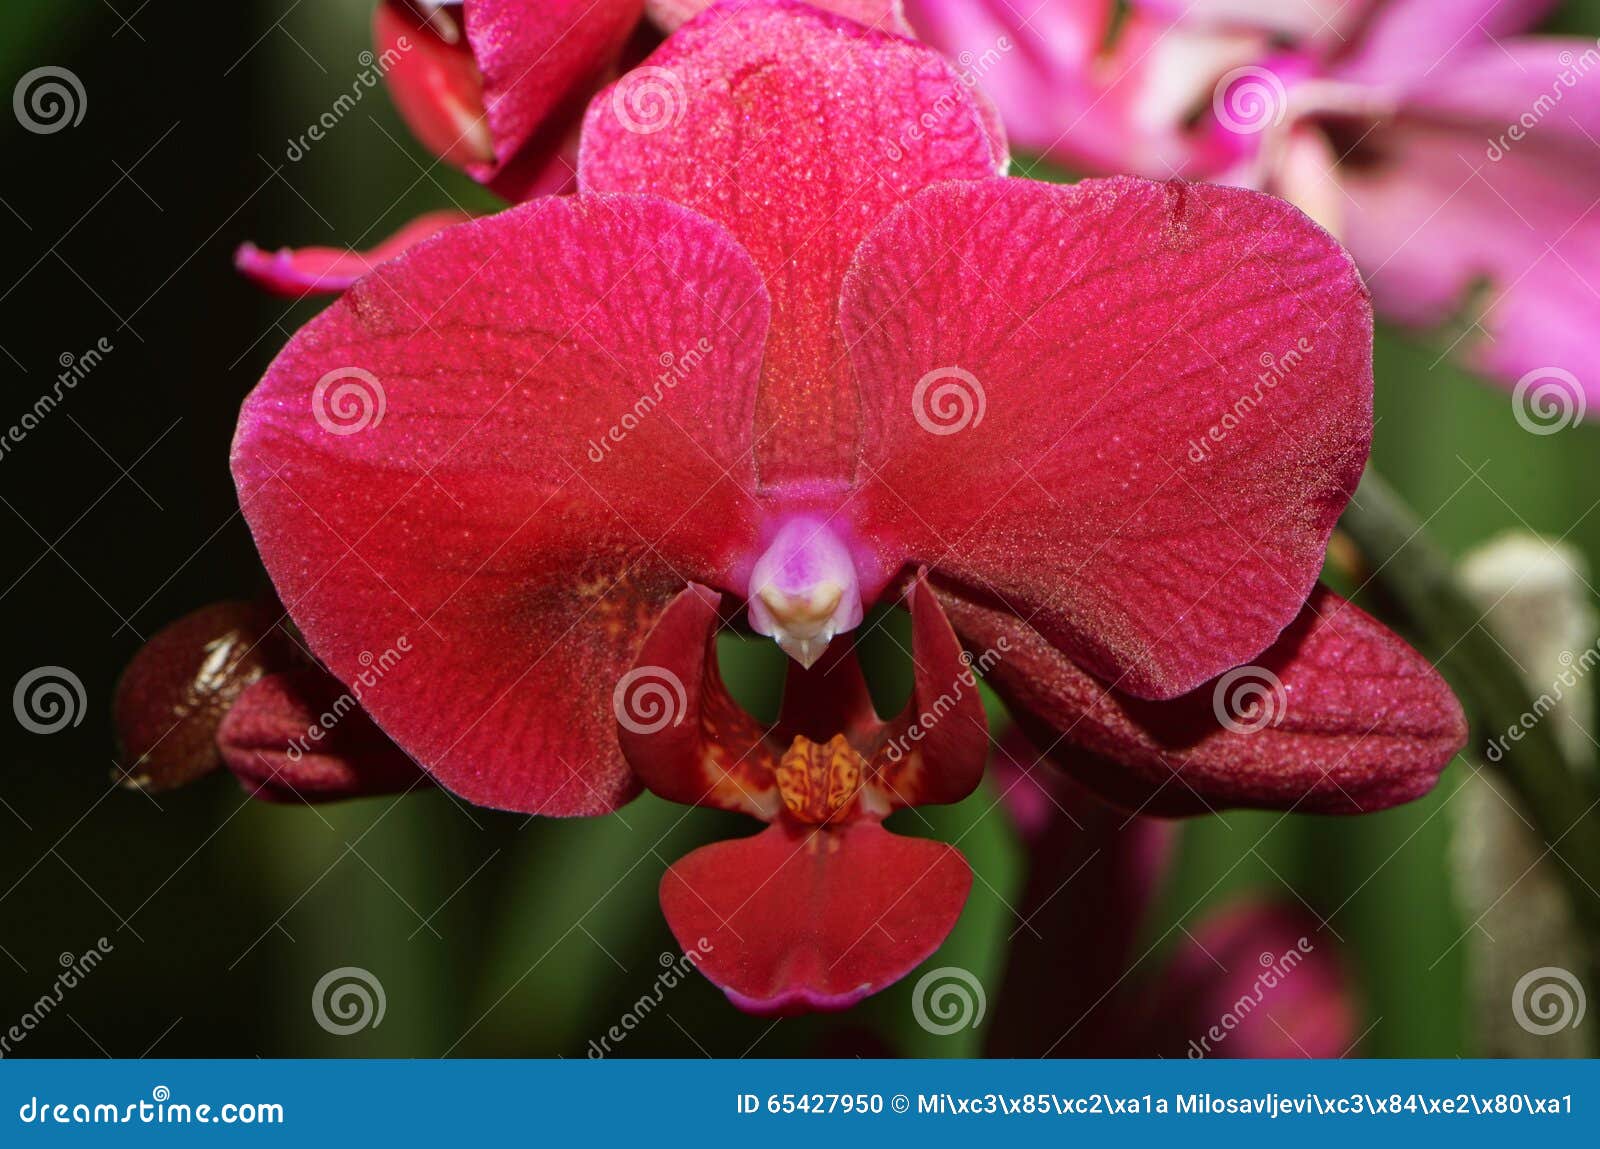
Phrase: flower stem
[1415,586]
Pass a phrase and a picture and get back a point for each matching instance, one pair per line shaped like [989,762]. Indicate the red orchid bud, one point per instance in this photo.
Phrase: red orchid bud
[433,79]
[174,694]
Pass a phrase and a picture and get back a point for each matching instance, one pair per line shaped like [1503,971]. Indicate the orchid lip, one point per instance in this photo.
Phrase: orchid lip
[804,590]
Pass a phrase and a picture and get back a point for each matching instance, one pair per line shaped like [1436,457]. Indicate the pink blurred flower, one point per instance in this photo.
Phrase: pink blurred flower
[1256,978]
[1456,156]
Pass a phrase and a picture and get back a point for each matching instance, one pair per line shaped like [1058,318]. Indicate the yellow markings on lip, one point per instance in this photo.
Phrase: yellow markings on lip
[819,783]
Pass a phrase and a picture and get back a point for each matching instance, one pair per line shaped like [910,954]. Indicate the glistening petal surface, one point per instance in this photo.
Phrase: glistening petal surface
[1039,367]
[798,130]
[1340,716]
[459,454]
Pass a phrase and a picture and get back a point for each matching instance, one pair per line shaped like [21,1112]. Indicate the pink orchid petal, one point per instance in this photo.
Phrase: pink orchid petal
[888,15]
[799,919]
[293,272]
[1473,189]
[1329,21]
[541,61]
[1413,39]
[754,115]
[177,689]
[1340,716]
[504,449]
[1278,958]
[1053,378]
[301,737]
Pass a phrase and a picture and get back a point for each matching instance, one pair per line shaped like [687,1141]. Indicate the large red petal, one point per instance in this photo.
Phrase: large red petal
[797,919]
[798,130]
[1339,716]
[1130,410]
[302,737]
[294,272]
[505,451]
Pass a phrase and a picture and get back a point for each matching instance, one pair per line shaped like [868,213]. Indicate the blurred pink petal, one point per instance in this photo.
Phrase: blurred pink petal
[297,271]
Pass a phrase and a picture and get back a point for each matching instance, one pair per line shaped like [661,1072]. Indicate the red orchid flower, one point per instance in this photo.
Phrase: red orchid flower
[785,359]
[1452,151]
[1256,978]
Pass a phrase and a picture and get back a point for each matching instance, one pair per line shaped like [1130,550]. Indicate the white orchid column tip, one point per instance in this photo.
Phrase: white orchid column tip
[804,591]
